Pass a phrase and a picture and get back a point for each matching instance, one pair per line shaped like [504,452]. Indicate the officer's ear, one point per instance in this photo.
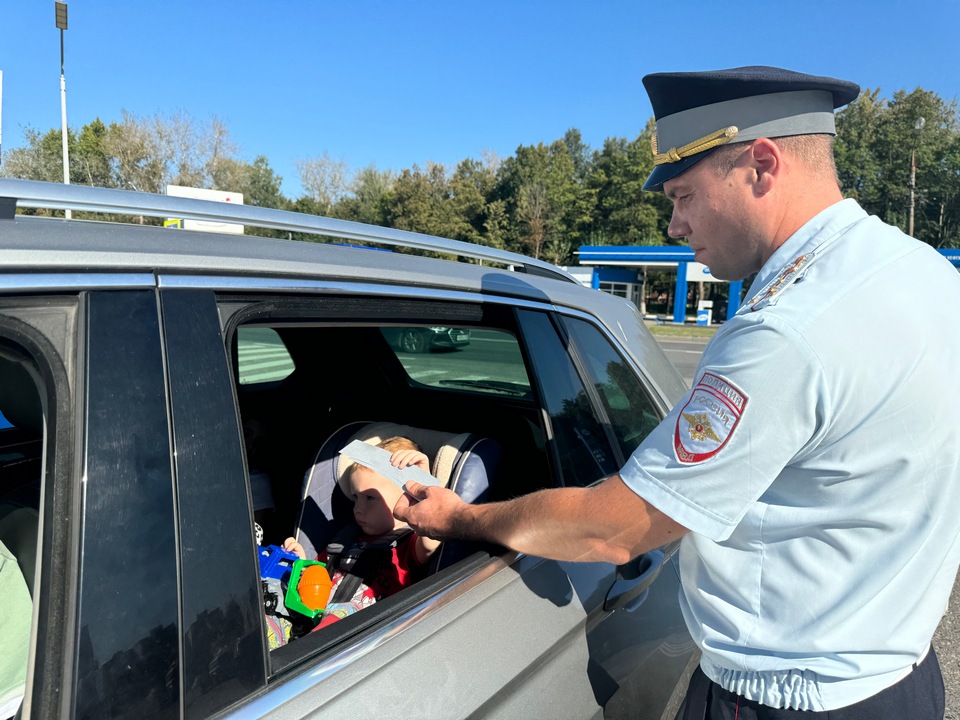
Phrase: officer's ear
[766,163]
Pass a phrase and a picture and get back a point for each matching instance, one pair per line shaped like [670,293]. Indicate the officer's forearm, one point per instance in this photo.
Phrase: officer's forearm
[606,523]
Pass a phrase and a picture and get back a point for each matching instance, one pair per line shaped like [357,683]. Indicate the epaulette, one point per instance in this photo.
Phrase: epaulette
[776,287]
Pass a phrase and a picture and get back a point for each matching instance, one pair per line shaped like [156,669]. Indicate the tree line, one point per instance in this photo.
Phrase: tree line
[545,200]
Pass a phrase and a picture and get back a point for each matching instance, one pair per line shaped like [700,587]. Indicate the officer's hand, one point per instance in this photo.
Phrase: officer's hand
[430,511]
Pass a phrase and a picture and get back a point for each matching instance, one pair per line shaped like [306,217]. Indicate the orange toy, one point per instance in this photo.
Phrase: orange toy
[314,587]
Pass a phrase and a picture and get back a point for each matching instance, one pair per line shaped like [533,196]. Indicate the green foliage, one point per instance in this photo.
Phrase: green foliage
[545,200]
[878,146]
[625,214]
[369,197]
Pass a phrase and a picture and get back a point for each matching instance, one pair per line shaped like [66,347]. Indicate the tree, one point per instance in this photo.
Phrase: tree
[858,167]
[369,197]
[625,214]
[137,164]
[547,207]
[263,186]
[90,161]
[470,187]
[421,201]
[325,181]
[878,142]
[532,212]
[40,159]
[579,153]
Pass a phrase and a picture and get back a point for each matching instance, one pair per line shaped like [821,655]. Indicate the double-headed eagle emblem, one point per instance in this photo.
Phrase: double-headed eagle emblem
[699,427]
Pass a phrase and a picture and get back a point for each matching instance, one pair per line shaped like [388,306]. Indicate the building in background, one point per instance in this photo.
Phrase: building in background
[695,294]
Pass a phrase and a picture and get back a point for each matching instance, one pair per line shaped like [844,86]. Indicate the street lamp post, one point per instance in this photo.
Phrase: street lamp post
[61,10]
[918,126]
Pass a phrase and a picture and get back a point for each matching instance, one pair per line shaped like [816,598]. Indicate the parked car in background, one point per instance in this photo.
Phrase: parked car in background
[425,339]
[148,374]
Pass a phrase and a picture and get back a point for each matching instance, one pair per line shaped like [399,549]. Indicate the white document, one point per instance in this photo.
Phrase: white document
[378,459]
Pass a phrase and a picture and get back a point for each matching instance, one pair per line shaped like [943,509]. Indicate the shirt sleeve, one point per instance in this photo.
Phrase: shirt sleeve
[758,400]
[14,630]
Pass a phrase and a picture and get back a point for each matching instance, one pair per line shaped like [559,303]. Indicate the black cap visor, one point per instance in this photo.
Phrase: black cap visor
[668,171]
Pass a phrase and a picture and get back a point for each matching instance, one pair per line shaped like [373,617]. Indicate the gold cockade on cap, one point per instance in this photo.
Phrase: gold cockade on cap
[708,142]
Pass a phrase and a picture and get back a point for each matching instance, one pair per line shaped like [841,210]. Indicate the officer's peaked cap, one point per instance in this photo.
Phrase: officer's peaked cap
[697,112]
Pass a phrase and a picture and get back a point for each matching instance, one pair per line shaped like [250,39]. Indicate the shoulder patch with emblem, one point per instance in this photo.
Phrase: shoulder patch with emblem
[784,279]
[708,420]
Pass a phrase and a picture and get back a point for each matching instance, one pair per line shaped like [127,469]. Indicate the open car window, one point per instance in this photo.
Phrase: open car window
[313,374]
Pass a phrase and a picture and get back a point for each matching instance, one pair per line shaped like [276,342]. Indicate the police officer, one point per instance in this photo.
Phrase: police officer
[812,470]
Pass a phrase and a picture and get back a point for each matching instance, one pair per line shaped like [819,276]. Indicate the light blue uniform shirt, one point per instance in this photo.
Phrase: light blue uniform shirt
[816,463]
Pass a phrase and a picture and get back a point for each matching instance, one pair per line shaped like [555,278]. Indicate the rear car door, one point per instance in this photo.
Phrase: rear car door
[500,635]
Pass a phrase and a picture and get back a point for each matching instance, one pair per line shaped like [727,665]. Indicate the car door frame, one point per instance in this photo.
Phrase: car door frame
[592,584]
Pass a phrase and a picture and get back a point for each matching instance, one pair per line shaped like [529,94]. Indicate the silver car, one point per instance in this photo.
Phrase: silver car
[176,403]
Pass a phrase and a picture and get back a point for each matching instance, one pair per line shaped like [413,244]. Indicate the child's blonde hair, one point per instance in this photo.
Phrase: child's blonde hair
[393,444]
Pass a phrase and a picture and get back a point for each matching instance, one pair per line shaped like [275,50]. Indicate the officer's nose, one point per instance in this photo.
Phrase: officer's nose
[678,227]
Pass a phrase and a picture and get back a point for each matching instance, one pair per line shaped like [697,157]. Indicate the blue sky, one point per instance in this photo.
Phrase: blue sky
[402,82]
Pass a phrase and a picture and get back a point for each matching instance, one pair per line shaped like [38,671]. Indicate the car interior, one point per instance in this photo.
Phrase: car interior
[21,446]
[350,374]
[348,379]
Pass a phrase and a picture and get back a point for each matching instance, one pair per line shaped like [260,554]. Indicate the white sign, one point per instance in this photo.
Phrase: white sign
[698,272]
[202,194]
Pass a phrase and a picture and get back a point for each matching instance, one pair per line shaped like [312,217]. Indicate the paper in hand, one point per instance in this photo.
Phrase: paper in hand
[378,459]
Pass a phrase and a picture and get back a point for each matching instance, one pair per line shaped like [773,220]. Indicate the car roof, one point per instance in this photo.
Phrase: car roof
[54,246]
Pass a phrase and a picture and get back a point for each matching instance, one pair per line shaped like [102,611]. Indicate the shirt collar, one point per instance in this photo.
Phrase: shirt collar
[820,228]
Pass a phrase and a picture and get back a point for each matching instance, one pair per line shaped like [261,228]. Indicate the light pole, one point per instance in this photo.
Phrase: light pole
[61,10]
[918,126]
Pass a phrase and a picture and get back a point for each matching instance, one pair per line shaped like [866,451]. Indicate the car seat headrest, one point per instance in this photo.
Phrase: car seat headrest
[441,447]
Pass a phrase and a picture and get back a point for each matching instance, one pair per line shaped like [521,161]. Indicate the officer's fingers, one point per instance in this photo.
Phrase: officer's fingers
[401,507]
[415,489]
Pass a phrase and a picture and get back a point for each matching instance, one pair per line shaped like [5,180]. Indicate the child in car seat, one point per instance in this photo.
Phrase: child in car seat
[387,555]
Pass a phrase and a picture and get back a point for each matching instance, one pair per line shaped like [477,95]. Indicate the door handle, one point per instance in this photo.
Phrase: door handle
[633,581]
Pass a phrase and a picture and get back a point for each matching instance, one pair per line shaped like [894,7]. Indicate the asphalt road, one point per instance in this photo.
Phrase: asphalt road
[685,354]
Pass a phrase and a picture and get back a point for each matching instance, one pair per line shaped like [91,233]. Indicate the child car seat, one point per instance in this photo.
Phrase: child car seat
[462,462]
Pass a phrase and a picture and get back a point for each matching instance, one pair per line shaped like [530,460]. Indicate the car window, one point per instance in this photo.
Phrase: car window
[629,408]
[356,367]
[261,356]
[481,360]
[581,443]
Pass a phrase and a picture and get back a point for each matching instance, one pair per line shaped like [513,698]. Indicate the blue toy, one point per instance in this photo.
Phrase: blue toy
[275,562]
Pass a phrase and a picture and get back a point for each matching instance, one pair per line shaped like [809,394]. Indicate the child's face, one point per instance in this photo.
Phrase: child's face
[376,496]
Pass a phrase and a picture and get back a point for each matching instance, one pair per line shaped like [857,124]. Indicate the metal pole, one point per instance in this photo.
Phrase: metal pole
[917,128]
[913,186]
[62,24]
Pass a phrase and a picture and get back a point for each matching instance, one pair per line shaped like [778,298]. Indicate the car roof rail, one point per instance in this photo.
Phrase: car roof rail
[57,196]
